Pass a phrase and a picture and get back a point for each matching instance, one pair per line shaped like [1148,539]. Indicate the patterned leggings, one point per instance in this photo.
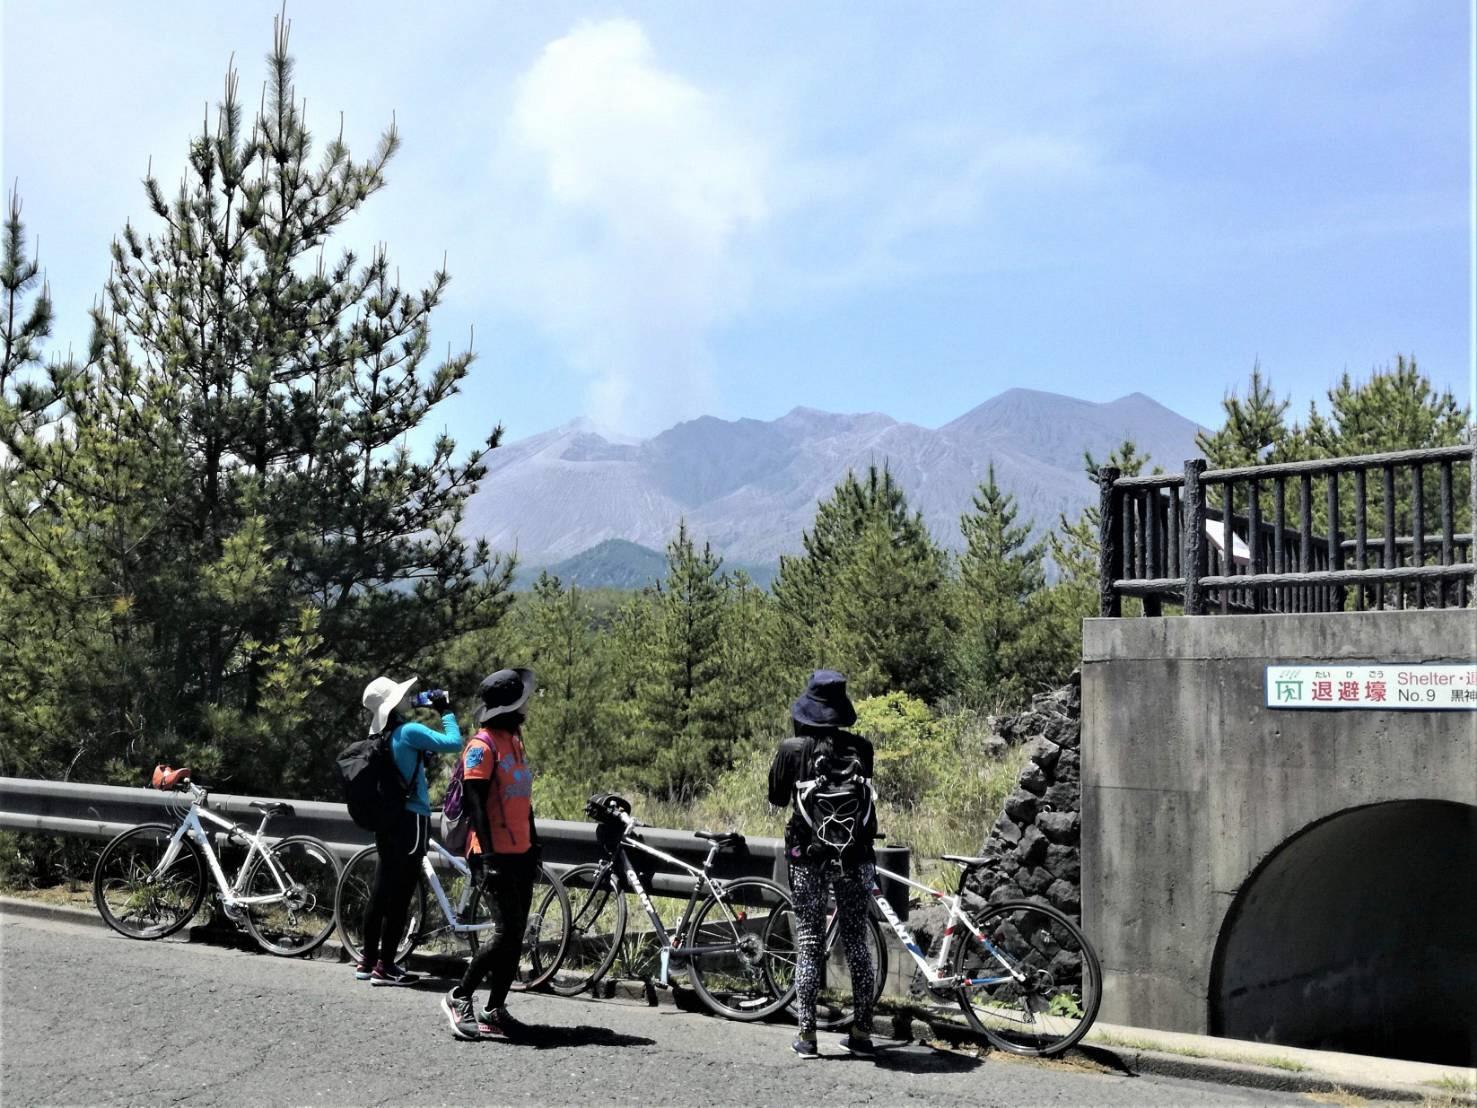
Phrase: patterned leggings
[810,885]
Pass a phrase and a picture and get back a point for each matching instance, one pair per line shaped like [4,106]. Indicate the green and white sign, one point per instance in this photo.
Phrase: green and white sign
[1381,687]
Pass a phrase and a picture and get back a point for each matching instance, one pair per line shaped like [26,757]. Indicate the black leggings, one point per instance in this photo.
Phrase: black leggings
[510,884]
[811,886]
[401,847]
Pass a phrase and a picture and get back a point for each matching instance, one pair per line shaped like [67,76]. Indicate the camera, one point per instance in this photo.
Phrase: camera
[430,697]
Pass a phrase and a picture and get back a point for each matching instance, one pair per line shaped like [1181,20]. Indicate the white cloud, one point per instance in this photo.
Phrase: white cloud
[634,196]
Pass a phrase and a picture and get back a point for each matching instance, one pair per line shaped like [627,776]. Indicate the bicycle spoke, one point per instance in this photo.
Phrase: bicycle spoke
[136,895]
[300,877]
[1036,982]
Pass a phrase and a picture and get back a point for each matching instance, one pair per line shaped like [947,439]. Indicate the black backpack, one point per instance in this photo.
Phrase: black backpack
[836,801]
[373,788]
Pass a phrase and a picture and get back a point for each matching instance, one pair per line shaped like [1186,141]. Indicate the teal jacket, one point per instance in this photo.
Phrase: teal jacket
[408,742]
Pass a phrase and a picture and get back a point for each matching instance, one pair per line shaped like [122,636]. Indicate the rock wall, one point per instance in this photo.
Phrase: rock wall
[1034,847]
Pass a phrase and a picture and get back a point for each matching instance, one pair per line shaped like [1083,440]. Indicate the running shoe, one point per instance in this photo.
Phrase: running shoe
[805,1048]
[499,1023]
[391,974]
[363,971]
[458,1011]
[861,1047]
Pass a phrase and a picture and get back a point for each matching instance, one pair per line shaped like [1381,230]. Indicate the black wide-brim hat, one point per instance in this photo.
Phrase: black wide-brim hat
[505,691]
[824,702]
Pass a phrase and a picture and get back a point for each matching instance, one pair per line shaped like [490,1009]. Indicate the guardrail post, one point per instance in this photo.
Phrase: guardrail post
[1193,531]
[1110,547]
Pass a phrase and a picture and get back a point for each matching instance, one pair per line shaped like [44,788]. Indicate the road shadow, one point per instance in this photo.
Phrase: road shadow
[554,1038]
[912,1058]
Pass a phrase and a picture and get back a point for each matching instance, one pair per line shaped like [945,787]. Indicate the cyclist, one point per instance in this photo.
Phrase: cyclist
[820,717]
[503,850]
[403,843]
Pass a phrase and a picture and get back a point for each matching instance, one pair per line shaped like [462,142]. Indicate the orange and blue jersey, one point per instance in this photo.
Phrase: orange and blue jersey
[497,757]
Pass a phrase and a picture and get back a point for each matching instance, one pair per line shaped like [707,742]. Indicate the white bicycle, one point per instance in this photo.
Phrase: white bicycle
[150,879]
[467,913]
[1023,974]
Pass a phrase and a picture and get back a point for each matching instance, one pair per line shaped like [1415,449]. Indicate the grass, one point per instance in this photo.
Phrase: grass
[1453,1083]
[1291,1065]
[964,796]
[69,894]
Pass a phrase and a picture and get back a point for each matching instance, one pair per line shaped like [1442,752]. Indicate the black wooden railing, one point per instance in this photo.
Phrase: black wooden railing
[1379,531]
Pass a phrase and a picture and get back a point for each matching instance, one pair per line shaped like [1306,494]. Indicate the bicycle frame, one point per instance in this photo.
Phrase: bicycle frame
[191,825]
[956,914]
[667,948]
[453,915]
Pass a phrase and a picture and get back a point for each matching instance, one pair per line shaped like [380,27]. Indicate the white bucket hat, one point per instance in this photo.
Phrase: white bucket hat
[381,696]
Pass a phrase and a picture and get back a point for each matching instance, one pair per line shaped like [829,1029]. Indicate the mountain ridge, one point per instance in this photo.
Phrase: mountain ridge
[750,486]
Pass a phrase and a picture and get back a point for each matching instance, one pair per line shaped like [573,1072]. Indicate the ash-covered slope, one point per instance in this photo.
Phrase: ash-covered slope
[750,486]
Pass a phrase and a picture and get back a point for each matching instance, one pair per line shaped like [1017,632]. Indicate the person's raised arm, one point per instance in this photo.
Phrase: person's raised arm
[446,741]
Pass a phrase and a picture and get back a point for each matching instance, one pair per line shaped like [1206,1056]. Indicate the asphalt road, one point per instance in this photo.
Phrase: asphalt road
[89,1017]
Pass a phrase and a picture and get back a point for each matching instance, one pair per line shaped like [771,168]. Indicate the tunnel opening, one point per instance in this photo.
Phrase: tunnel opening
[1359,934]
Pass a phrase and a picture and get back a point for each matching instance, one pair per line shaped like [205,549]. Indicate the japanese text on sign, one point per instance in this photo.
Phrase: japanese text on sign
[1382,687]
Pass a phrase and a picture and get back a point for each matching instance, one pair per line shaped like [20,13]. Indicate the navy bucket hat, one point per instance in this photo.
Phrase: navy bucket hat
[824,702]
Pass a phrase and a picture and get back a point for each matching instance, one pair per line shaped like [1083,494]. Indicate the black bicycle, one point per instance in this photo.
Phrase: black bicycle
[719,937]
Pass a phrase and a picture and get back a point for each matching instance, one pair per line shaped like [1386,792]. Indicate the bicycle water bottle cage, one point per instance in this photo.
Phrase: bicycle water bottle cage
[166,778]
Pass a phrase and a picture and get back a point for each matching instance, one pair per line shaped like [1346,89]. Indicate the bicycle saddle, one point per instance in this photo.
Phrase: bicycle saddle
[963,861]
[724,838]
[166,777]
[277,809]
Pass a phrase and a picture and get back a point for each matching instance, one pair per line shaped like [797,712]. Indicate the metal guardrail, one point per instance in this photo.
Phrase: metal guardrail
[101,811]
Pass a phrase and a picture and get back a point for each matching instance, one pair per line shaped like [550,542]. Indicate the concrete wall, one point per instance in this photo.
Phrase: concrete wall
[1189,783]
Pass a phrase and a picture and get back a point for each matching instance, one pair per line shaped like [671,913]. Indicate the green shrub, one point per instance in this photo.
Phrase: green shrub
[910,744]
[37,861]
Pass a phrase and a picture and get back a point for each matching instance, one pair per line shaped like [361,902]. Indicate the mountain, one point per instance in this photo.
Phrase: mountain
[612,564]
[750,486]
[618,564]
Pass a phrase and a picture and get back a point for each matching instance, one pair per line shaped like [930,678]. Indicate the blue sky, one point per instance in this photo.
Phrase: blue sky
[657,211]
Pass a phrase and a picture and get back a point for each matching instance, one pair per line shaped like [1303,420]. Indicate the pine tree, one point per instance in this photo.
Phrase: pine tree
[1074,548]
[681,696]
[999,572]
[756,680]
[23,329]
[1255,430]
[240,429]
[564,733]
[1395,408]
[868,596]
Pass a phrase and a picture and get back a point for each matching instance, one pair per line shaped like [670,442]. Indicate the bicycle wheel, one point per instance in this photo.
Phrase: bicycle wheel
[597,923]
[351,902]
[546,937]
[727,966]
[302,916]
[1035,984]
[835,1001]
[138,898]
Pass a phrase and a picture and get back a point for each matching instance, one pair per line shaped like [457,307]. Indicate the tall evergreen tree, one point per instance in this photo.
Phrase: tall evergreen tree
[681,696]
[565,735]
[244,416]
[756,679]
[1255,428]
[1000,571]
[868,596]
